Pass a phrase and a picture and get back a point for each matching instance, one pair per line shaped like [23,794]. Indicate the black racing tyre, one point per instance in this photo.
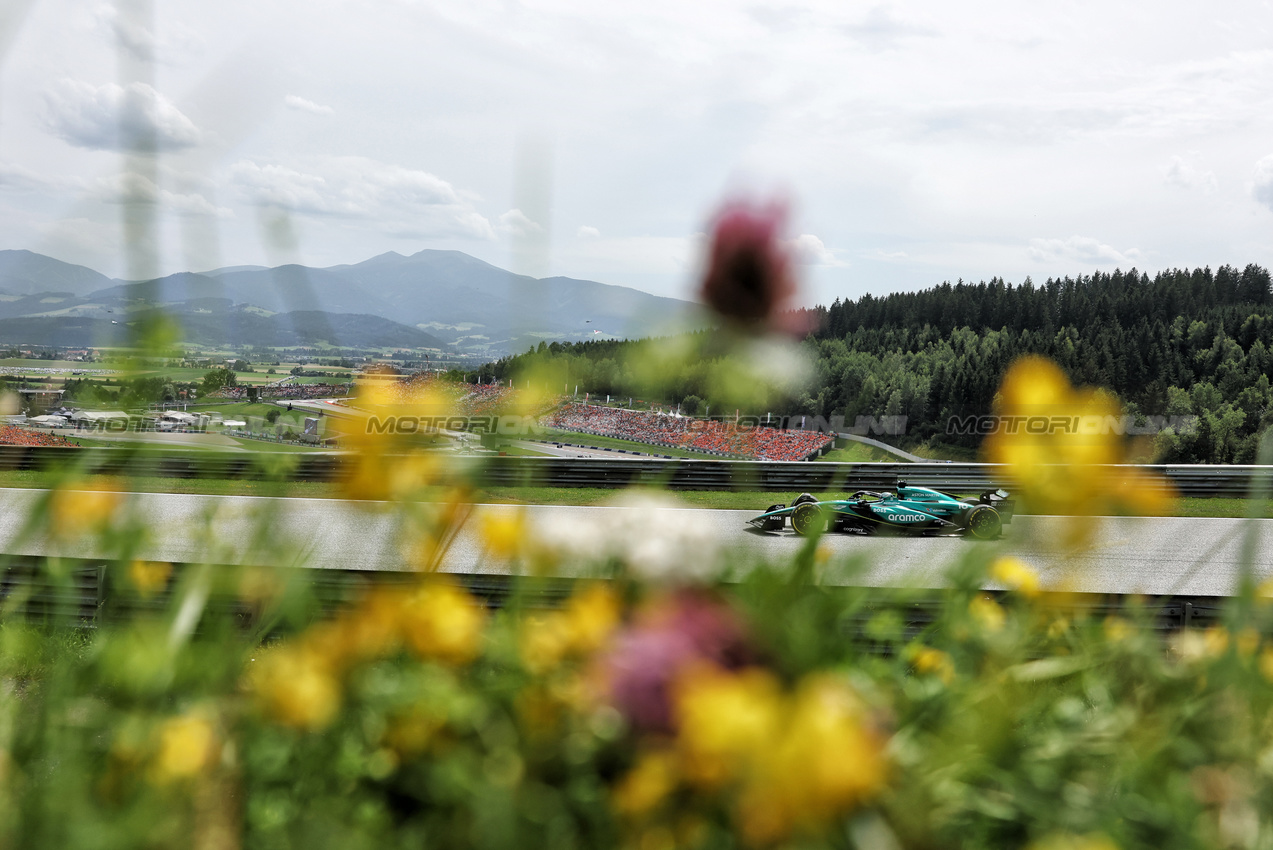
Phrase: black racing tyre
[808,519]
[984,523]
[804,498]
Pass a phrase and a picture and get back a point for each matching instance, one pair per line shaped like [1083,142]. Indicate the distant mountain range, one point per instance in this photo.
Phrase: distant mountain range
[432,299]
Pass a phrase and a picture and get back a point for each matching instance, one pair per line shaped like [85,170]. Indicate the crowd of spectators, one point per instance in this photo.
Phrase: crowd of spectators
[460,399]
[286,391]
[11,435]
[684,432]
[653,428]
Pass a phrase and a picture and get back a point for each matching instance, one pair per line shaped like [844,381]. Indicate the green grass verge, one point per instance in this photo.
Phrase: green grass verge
[237,410]
[519,451]
[191,486]
[859,453]
[266,446]
[86,442]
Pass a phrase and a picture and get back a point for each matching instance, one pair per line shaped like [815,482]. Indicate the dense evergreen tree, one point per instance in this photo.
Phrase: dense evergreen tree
[1182,343]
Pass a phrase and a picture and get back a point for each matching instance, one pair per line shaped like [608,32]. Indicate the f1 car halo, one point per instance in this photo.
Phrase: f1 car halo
[915,510]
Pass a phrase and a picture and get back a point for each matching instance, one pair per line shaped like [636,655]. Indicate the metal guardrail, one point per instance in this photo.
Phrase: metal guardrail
[676,474]
[89,594]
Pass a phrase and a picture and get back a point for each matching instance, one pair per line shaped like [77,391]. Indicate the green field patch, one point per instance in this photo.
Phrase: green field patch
[237,409]
[853,452]
[269,446]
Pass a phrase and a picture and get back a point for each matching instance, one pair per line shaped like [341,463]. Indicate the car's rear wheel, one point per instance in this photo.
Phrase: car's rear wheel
[984,523]
[808,519]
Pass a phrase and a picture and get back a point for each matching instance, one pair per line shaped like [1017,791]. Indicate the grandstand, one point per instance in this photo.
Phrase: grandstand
[281,390]
[11,435]
[459,399]
[683,432]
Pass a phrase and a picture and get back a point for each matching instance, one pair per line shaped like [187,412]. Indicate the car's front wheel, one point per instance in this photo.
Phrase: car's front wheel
[984,523]
[808,519]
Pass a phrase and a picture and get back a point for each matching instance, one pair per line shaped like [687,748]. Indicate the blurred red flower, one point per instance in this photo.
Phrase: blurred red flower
[750,279]
[685,628]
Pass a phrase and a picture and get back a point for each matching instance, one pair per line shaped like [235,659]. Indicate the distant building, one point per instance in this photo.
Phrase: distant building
[114,420]
[41,400]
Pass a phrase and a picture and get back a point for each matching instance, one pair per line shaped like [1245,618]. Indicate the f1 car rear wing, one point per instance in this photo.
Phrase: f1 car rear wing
[998,499]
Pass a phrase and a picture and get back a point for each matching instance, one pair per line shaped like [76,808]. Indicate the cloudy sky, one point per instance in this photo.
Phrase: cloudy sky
[915,141]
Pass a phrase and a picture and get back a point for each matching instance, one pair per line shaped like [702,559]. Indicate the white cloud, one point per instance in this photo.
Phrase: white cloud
[111,117]
[133,188]
[1186,173]
[1262,188]
[19,178]
[302,105]
[809,250]
[516,223]
[394,200]
[128,32]
[952,134]
[587,232]
[881,254]
[1083,249]
[881,28]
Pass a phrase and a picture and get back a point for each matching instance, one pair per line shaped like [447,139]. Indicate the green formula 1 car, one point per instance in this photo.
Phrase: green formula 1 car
[915,510]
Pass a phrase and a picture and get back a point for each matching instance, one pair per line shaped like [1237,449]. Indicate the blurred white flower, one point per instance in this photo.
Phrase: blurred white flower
[660,541]
[653,536]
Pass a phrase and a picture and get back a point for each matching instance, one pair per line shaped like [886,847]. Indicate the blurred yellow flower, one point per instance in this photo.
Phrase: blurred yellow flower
[1067,841]
[370,629]
[933,661]
[1247,642]
[1216,640]
[987,613]
[1266,663]
[1193,645]
[543,641]
[76,512]
[502,532]
[443,622]
[1060,446]
[1117,629]
[825,762]
[386,464]
[409,732]
[296,687]
[260,585]
[647,784]
[538,710]
[724,719]
[187,745]
[149,577]
[1015,574]
[592,615]
[580,628]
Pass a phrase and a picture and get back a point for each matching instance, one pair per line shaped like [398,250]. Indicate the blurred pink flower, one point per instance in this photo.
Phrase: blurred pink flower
[750,278]
[684,628]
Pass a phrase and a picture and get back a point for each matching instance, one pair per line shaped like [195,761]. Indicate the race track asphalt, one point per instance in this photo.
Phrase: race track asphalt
[1190,557]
